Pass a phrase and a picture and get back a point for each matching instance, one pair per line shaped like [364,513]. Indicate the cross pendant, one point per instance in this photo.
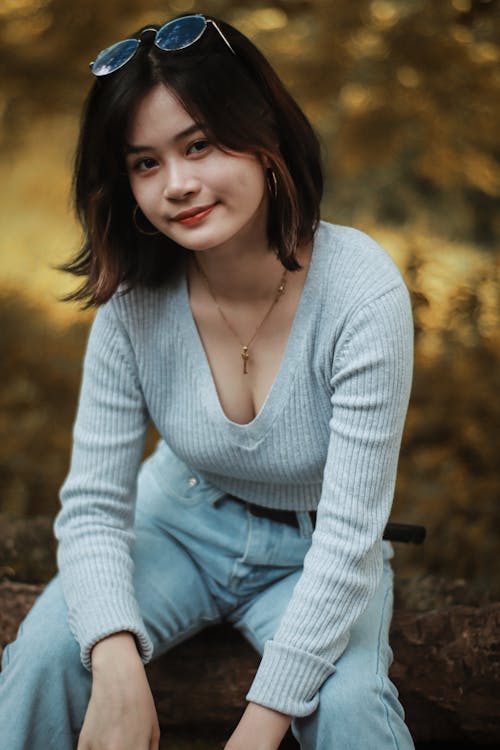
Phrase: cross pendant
[245,357]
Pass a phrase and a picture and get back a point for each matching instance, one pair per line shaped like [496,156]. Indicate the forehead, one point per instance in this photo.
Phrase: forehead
[158,114]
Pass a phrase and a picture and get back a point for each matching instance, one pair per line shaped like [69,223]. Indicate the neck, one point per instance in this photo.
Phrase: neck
[246,273]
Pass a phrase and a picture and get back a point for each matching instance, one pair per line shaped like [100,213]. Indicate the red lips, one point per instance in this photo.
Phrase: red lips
[193,215]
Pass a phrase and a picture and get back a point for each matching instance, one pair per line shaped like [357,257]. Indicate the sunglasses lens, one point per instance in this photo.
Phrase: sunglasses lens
[114,57]
[180,33]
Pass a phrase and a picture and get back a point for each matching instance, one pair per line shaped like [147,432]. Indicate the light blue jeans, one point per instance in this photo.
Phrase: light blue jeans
[201,557]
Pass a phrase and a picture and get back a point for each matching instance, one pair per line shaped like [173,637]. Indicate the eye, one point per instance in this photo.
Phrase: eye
[198,147]
[144,164]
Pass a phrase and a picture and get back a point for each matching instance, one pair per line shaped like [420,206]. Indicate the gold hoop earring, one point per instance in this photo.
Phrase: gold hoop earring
[142,231]
[272,183]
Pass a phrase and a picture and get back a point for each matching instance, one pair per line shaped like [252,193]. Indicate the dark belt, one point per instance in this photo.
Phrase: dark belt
[394,532]
[273,514]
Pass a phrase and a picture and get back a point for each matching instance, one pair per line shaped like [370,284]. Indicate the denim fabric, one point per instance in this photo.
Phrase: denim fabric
[201,557]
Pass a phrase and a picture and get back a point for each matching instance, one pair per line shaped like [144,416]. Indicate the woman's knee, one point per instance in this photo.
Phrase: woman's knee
[44,689]
[362,698]
[362,712]
[44,640]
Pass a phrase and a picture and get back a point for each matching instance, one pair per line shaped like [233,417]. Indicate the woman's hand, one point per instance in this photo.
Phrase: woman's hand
[121,714]
[260,728]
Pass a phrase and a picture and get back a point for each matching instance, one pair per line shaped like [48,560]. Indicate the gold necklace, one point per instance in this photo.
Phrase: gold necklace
[245,355]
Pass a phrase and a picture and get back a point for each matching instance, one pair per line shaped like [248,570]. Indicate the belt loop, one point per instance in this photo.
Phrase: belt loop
[305,522]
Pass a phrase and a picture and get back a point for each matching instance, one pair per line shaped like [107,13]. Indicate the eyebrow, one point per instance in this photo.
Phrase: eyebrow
[136,149]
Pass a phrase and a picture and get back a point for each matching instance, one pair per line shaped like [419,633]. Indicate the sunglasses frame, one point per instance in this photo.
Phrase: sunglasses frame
[138,41]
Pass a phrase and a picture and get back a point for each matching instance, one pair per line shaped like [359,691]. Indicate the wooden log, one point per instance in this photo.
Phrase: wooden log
[447,667]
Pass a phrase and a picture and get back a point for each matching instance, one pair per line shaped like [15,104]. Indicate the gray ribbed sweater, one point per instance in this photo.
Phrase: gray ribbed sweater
[328,436]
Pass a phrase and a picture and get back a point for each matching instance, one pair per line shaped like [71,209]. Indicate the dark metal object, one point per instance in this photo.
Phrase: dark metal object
[404,532]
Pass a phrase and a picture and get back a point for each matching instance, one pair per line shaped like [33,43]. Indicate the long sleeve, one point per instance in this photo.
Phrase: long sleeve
[95,524]
[370,385]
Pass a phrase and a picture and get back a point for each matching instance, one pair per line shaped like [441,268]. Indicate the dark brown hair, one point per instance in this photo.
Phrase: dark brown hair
[242,105]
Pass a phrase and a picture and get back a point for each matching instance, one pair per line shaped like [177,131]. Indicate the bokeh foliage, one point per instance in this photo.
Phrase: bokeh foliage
[405,97]
[405,93]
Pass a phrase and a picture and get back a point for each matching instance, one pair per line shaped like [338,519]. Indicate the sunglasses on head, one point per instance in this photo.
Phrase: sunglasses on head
[173,36]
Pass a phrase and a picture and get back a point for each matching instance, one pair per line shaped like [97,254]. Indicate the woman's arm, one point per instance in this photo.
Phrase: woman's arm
[95,532]
[260,728]
[121,712]
[370,385]
[95,524]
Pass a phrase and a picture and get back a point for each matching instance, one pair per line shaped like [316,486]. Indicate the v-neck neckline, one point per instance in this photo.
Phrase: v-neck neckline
[279,392]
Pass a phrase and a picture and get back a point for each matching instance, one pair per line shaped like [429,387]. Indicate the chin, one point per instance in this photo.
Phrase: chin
[202,241]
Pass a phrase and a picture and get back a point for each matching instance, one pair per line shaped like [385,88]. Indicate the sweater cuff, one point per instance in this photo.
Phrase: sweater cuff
[288,680]
[100,620]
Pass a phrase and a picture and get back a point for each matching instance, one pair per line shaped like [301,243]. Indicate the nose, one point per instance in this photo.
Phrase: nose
[180,182]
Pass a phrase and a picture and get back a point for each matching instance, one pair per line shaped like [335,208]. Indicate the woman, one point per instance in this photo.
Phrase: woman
[273,352]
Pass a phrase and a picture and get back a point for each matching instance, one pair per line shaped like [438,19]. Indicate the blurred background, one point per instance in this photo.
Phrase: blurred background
[405,96]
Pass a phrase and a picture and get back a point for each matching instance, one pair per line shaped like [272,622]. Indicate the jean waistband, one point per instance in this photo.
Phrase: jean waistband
[394,532]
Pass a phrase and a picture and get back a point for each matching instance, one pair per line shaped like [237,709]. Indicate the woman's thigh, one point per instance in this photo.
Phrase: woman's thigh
[358,705]
[44,689]
[171,590]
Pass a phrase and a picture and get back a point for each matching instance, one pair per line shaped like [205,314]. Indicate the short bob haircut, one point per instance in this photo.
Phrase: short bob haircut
[240,104]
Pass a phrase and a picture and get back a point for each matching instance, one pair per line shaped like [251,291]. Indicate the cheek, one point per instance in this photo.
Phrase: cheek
[142,191]
[240,175]
[250,183]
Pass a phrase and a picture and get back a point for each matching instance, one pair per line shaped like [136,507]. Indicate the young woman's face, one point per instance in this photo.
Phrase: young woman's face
[199,196]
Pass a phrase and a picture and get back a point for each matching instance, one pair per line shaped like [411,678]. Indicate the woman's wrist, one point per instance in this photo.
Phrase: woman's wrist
[260,728]
[117,648]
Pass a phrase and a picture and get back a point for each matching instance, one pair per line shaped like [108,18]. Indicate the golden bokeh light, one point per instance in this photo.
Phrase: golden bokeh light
[484,52]
[463,6]
[181,6]
[367,43]
[405,98]
[268,19]
[384,12]
[12,8]
[408,76]
[354,97]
